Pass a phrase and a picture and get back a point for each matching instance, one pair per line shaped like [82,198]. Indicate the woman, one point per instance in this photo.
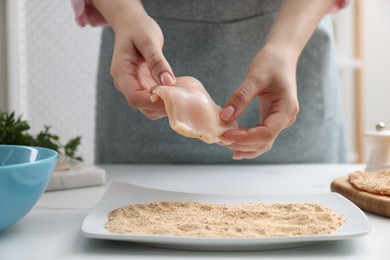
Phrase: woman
[256,57]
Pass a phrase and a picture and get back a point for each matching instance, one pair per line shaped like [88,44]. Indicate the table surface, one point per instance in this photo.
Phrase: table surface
[52,229]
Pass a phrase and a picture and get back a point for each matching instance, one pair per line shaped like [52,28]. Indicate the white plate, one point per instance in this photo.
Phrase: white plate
[119,194]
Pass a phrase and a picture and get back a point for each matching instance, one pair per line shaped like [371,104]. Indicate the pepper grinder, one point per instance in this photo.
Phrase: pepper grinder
[379,142]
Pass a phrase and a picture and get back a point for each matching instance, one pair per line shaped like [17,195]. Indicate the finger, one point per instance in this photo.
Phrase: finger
[143,101]
[263,146]
[153,114]
[283,113]
[238,155]
[135,95]
[249,136]
[158,66]
[277,121]
[240,100]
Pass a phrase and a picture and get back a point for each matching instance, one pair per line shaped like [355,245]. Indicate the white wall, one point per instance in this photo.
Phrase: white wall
[3,61]
[344,34]
[53,66]
[377,62]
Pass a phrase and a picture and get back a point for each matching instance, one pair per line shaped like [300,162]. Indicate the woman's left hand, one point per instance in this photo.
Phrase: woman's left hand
[271,78]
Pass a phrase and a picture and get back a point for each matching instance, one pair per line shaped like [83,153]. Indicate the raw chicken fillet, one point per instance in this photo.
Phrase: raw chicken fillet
[191,111]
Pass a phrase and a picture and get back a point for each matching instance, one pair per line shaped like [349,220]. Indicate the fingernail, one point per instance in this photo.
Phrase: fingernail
[227,113]
[166,78]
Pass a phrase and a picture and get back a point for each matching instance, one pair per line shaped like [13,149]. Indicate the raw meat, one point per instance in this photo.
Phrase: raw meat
[191,111]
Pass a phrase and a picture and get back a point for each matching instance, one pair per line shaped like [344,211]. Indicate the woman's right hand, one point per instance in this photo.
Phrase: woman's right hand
[138,62]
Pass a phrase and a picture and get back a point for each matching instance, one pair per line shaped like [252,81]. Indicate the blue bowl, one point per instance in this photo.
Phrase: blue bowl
[25,172]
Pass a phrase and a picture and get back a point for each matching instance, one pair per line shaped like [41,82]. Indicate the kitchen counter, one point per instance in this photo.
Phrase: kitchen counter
[52,229]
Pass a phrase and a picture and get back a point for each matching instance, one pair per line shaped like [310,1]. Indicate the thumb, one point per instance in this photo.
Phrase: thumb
[158,66]
[239,101]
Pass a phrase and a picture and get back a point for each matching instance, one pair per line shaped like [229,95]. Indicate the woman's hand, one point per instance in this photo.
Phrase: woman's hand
[271,78]
[138,62]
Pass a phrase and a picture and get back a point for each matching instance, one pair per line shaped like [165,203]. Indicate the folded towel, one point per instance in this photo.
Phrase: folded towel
[79,175]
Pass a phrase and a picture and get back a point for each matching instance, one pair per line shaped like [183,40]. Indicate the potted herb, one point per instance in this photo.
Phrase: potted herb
[14,130]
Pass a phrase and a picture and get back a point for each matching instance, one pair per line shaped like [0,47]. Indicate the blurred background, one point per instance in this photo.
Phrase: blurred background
[48,69]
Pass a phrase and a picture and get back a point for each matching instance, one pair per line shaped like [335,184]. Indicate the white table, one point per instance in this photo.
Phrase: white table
[52,229]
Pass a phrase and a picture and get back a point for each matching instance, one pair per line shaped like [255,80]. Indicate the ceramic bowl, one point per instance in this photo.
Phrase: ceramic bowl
[24,174]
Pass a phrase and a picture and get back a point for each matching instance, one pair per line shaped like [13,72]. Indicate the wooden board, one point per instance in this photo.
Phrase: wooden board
[377,204]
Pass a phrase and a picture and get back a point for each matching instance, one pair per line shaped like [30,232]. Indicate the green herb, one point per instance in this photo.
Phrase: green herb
[14,130]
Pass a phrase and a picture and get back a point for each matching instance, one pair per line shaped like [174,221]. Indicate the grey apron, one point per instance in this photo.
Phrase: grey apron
[213,40]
